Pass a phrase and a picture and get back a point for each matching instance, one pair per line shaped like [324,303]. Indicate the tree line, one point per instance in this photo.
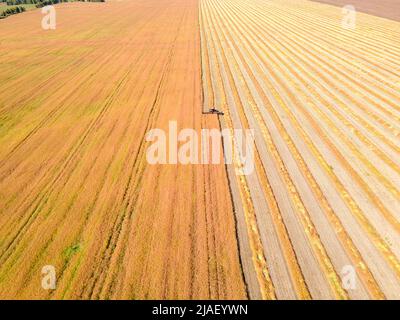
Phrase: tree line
[10,11]
[18,8]
[41,3]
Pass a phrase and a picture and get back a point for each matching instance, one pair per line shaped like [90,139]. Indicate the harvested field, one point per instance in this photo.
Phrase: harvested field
[76,191]
[324,105]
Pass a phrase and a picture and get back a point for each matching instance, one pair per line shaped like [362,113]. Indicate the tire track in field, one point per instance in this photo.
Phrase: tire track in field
[136,171]
[59,165]
[6,252]
[125,132]
[28,197]
[47,186]
[75,148]
[78,76]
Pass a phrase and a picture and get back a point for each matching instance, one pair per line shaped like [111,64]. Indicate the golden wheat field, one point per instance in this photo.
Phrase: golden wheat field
[78,193]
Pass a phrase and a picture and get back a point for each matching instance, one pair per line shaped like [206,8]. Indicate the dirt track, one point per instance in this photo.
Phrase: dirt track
[324,104]
[382,8]
[76,191]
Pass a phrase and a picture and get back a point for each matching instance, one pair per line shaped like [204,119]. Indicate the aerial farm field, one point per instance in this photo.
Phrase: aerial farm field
[77,191]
